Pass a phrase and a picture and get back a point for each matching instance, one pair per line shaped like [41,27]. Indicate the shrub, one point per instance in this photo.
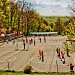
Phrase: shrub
[28,69]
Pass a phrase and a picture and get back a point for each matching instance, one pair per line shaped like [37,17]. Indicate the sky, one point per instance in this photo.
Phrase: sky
[51,7]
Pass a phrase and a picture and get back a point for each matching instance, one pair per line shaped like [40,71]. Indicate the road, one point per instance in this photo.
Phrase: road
[18,59]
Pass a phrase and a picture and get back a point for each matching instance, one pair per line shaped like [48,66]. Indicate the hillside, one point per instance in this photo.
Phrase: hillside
[53,19]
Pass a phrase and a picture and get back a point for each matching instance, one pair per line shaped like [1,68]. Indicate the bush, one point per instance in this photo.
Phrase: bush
[28,69]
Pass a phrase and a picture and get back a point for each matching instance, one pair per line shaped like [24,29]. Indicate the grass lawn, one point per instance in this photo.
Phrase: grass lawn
[21,73]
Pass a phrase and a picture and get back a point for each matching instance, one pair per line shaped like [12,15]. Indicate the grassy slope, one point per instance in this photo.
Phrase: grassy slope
[21,73]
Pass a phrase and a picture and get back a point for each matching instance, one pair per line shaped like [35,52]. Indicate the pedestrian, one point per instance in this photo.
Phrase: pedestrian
[42,56]
[44,39]
[40,40]
[34,42]
[26,40]
[24,44]
[71,67]
[39,55]
[59,52]
[62,57]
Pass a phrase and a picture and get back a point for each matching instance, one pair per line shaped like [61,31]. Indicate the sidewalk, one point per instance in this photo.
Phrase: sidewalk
[73,56]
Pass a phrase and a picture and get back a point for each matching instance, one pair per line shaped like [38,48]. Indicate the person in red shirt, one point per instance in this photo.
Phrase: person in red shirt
[62,54]
[63,58]
[40,54]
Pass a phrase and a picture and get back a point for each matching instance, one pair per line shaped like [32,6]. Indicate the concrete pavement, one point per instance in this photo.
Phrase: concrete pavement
[18,59]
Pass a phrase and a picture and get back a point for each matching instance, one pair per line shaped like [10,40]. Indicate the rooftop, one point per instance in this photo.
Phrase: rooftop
[43,32]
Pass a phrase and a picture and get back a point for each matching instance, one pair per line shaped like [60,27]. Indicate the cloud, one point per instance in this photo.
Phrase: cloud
[57,0]
[53,13]
[50,7]
[49,3]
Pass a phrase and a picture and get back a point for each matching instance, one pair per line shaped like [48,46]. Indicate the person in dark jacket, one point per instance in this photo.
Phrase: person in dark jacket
[71,67]
[24,44]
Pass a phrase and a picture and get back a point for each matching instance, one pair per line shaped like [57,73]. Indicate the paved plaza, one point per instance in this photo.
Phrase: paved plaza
[13,59]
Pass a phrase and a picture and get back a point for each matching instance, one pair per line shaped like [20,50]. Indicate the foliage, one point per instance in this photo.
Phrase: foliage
[13,18]
[57,23]
[70,32]
[28,69]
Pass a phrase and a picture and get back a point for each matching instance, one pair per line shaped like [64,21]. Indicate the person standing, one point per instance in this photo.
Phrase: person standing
[59,52]
[40,40]
[42,56]
[26,40]
[34,41]
[71,67]
[24,44]
[44,39]
[39,55]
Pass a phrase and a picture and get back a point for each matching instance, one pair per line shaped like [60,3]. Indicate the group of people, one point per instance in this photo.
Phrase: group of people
[44,39]
[61,55]
[26,41]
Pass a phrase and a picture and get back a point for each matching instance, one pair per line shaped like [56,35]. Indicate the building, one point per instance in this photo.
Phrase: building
[43,33]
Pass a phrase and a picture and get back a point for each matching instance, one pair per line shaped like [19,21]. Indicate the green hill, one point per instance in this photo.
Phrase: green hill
[53,19]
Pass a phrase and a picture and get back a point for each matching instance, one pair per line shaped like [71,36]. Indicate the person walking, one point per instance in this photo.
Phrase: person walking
[62,57]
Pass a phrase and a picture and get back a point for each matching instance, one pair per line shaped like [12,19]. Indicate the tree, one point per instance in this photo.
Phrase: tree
[58,26]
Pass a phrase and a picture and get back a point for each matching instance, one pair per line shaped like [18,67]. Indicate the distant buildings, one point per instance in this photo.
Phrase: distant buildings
[43,33]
